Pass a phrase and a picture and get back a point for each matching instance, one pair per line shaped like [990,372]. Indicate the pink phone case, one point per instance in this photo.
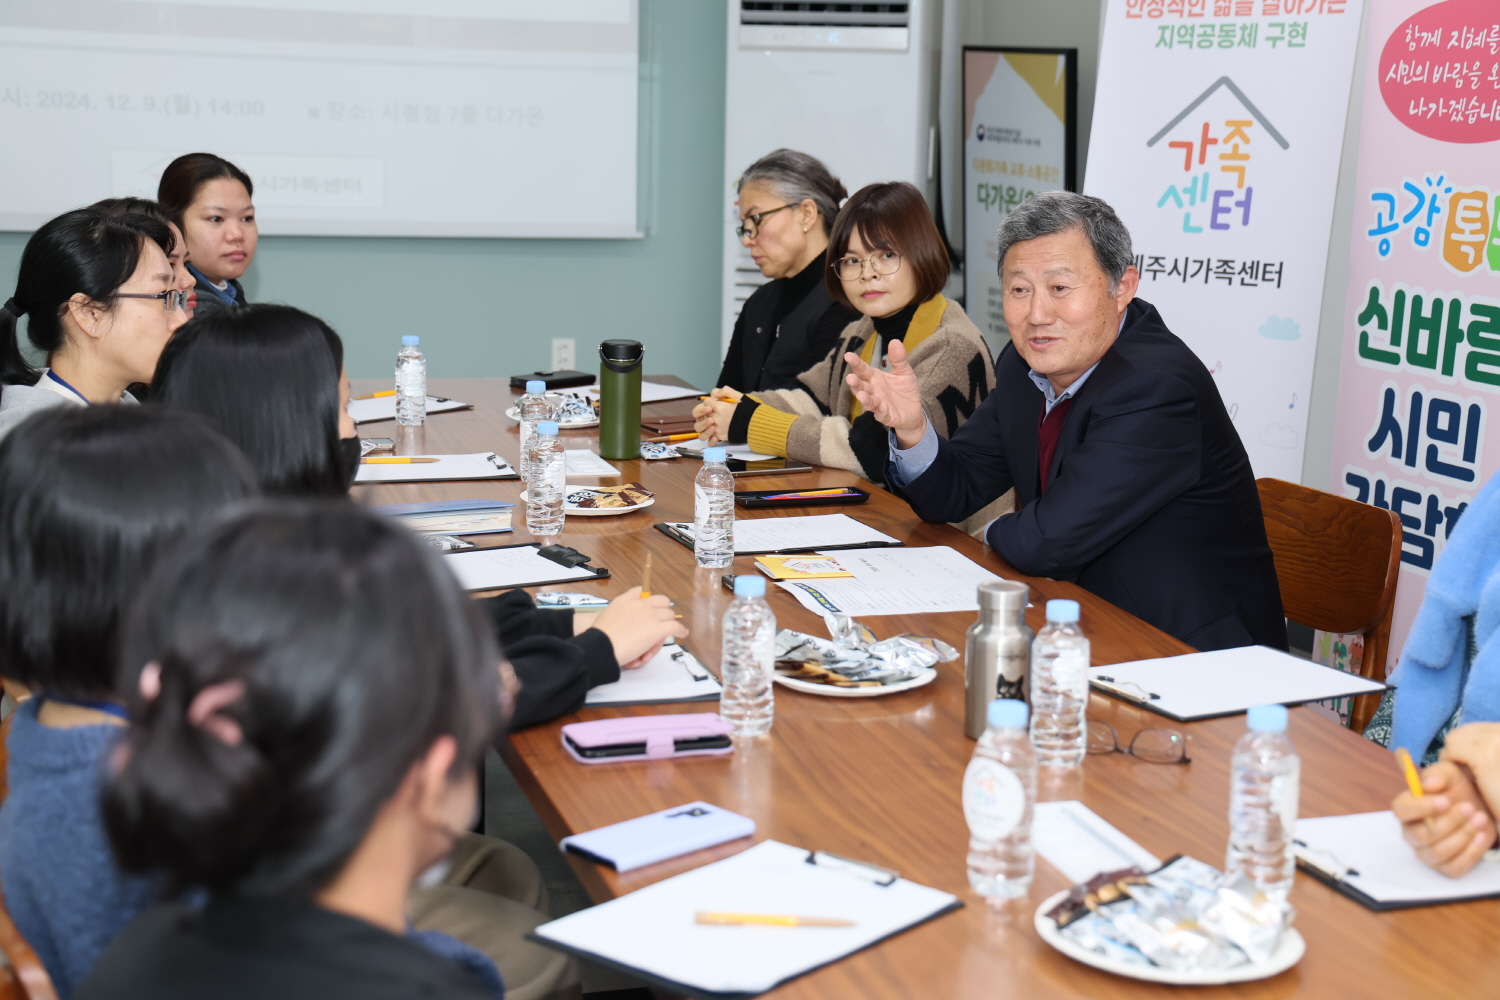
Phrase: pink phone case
[659,733]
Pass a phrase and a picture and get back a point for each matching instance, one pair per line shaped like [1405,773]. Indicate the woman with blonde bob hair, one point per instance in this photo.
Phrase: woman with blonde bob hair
[888,263]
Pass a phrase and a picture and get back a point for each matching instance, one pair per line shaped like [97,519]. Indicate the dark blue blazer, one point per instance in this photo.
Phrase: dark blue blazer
[1150,501]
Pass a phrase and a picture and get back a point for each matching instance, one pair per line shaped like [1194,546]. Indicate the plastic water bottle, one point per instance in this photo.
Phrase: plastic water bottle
[1060,688]
[749,653]
[713,511]
[1264,775]
[549,473]
[411,383]
[533,407]
[999,793]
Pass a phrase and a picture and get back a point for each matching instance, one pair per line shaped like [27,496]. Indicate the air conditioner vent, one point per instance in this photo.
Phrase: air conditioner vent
[841,15]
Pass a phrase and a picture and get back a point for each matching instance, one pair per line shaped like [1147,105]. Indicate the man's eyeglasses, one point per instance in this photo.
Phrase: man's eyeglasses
[750,227]
[174,299]
[1154,746]
[852,268]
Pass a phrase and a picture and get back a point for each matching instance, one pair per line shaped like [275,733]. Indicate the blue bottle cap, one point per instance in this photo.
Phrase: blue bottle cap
[1062,611]
[537,386]
[546,426]
[749,586]
[1267,718]
[715,454]
[411,340]
[1007,713]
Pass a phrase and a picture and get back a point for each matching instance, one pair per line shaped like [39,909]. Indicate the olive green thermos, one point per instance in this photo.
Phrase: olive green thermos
[620,398]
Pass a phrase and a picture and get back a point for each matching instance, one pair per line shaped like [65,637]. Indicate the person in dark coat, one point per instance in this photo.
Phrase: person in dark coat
[1130,478]
[787,203]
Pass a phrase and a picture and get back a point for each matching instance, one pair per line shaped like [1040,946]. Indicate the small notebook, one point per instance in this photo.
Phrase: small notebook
[452,517]
[645,840]
[671,675]
[1225,682]
[1364,857]
[514,566]
[479,465]
[366,411]
[652,933]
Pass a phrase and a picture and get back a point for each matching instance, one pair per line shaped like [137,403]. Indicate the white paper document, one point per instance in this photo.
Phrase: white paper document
[479,465]
[656,392]
[673,674]
[513,566]
[760,535]
[895,582]
[366,411]
[582,462]
[1080,843]
[1226,681]
[653,930]
[1366,849]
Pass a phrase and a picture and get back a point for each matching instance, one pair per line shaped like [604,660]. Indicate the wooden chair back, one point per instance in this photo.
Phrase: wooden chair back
[1337,561]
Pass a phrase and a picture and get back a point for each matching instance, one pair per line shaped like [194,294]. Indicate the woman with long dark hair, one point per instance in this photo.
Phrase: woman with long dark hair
[90,498]
[271,378]
[100,300]
[312,697]
[210,200]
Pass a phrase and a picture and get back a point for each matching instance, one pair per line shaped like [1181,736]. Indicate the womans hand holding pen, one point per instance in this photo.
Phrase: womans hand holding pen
[637,622]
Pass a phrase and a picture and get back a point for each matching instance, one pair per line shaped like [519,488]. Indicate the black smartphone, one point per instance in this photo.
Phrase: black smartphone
[554,380]
[636,749]
[763,499]
[765,467]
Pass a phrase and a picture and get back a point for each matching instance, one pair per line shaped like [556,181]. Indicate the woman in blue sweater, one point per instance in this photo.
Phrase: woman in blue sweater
[89,498]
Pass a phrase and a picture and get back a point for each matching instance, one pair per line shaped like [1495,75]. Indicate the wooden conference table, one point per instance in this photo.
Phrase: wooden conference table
[879,779]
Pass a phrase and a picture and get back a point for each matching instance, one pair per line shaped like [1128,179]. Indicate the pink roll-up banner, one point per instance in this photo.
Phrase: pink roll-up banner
[1421,351]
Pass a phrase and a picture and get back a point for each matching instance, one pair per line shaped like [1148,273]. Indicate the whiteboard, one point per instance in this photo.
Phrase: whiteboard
[511,118]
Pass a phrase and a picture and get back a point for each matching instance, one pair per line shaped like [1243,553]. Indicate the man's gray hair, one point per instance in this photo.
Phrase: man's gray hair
[797,177]
[1058,211]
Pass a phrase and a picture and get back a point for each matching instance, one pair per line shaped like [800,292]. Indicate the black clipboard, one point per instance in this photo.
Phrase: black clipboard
[686,540]
[1337,883]
[560,554]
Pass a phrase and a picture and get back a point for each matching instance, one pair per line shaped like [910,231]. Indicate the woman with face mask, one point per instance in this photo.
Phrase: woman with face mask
[101,302]
[270,378]
[209,199]
[310,698]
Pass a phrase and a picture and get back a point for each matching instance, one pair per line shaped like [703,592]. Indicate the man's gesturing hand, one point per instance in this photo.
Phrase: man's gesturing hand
[893,396]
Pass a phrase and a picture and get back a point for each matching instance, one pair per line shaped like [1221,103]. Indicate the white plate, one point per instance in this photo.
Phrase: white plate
[829,691]
[571,511]
[1288,953]
[568,425]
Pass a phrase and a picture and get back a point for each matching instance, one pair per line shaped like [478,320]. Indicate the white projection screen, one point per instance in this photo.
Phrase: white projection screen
[500,118]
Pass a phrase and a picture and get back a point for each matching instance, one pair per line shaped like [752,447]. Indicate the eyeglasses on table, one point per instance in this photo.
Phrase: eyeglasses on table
[1154,746]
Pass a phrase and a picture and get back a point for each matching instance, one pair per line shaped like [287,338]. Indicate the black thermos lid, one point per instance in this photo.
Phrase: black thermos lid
[621,350]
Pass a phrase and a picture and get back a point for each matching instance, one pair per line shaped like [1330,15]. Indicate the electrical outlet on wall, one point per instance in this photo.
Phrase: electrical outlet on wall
[564,353]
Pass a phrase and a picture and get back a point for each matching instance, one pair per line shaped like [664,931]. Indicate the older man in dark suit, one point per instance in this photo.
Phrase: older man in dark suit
[1130,478]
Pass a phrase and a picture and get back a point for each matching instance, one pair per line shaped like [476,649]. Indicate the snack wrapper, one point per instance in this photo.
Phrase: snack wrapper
[854,658]
[605,497]
[657,450]
[1184,916]
[568,407]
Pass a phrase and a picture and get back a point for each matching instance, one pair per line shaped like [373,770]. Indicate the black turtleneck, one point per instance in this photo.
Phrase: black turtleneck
[894,326]
[797,287]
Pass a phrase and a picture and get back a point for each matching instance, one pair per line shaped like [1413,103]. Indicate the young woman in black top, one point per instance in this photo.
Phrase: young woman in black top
[310,696]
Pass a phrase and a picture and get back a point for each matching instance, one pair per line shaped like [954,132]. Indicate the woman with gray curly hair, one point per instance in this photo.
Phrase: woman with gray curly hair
[787,203]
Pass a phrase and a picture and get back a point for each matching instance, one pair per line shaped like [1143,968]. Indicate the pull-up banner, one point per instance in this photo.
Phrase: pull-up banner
[1421,349]
[1217,131]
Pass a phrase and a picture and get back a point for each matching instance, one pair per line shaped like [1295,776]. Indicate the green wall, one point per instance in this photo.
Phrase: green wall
[492,307]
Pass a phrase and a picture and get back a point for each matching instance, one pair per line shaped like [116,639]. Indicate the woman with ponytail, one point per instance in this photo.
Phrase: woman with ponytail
[100,302]
[311,697]
[89,498]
